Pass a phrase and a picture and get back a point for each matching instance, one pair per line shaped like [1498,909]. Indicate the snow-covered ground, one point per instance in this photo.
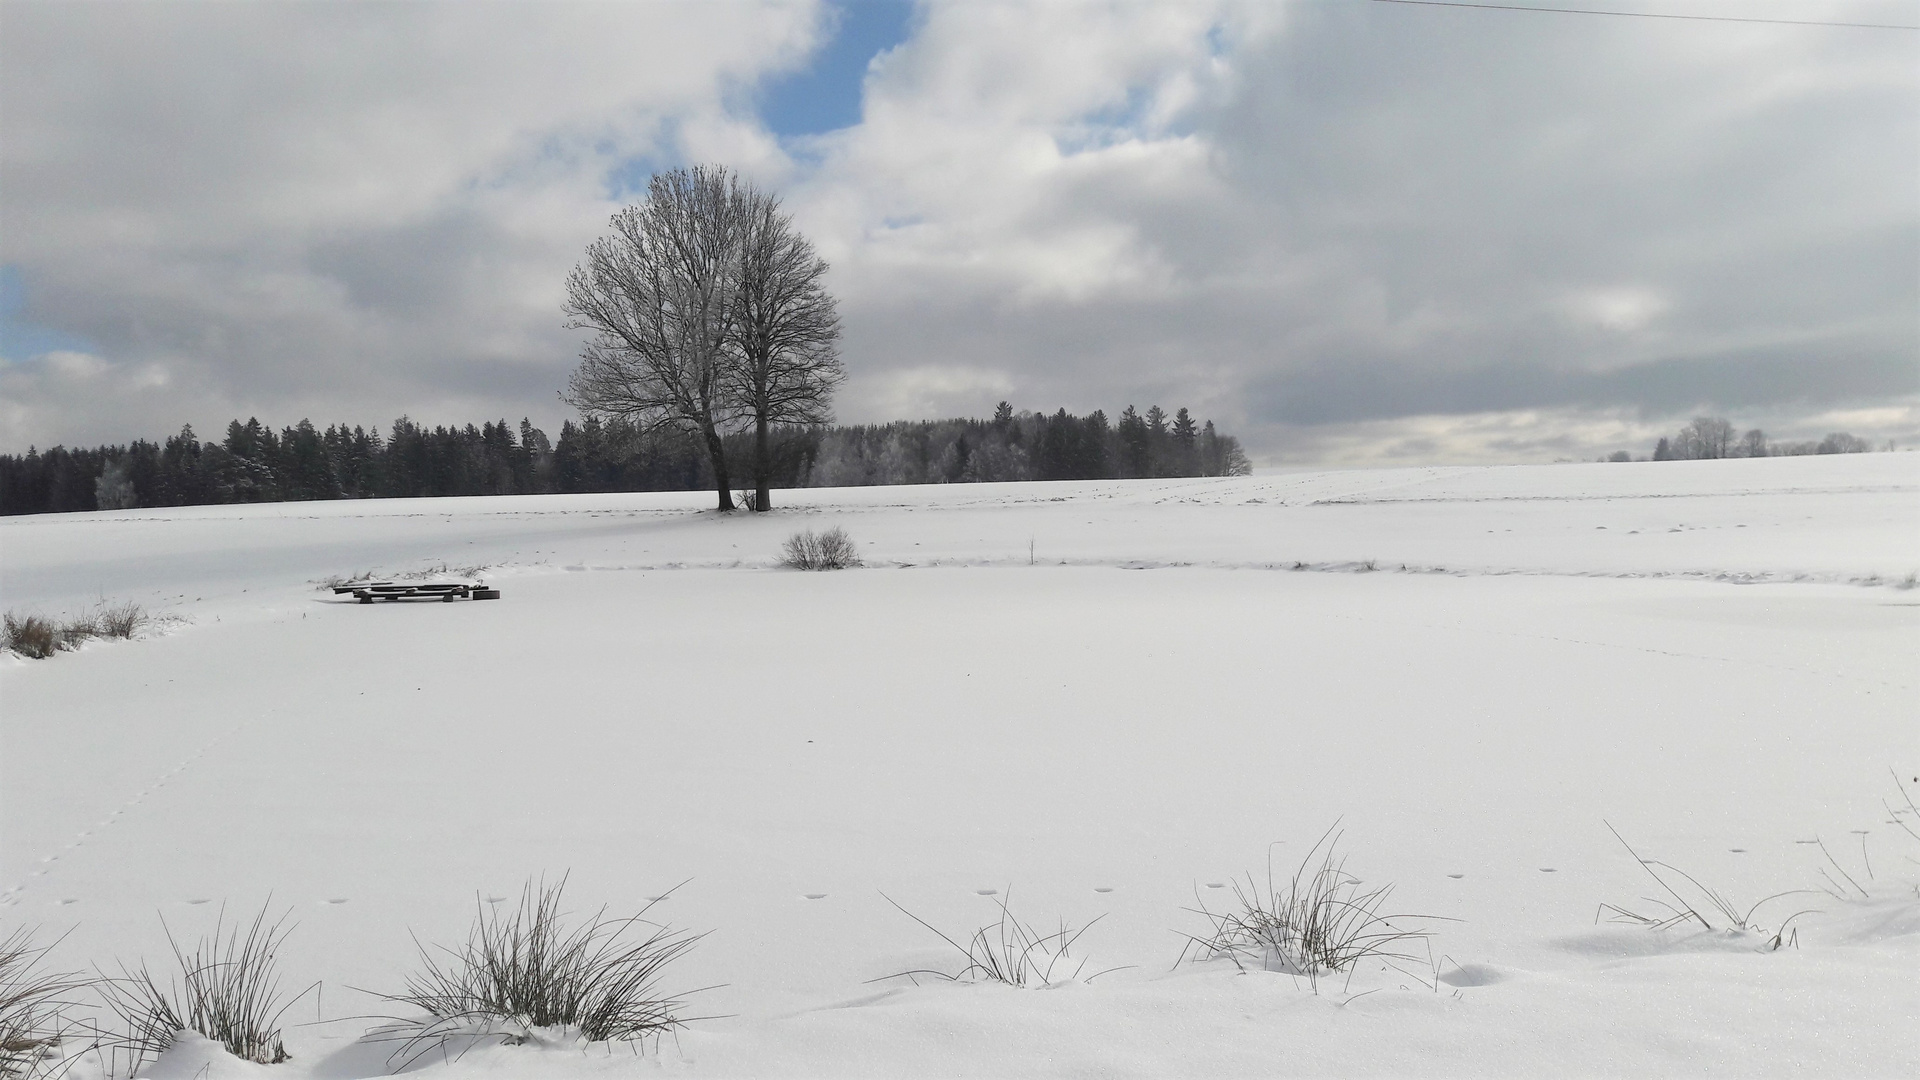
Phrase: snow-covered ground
[1100,699]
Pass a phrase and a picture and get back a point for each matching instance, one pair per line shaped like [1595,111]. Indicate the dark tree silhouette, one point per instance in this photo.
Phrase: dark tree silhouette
[659,297]
[786,333]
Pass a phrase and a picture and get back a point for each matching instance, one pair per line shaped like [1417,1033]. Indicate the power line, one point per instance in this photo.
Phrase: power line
[1650,14]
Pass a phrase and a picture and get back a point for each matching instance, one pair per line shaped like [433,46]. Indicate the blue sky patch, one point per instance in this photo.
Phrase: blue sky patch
[826,95]
[20,340]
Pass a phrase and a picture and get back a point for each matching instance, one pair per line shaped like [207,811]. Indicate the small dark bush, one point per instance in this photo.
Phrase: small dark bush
[830,550]
[31,636]
[33,1005]
[526,971]
[227,990]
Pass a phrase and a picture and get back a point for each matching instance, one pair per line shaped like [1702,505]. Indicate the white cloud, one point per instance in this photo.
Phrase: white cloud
[1340,230]
[930,391]
[335,209]
[1623,308]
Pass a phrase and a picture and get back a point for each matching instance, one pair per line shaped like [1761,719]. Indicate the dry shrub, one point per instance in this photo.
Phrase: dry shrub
[830,550]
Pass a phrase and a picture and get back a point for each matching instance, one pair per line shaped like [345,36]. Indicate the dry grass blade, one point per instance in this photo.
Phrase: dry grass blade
[227,989]
[33,1004]
[1680,910]
[1905,817]
[1836,891]
[1319,921]
[525,971]
[1007,951]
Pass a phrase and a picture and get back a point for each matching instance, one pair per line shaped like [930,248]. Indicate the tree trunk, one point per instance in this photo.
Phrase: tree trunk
[762,466]
[721,482]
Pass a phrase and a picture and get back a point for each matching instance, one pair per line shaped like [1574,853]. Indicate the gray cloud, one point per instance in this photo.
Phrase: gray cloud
[1420,214]
[1348,231]
[1656,389]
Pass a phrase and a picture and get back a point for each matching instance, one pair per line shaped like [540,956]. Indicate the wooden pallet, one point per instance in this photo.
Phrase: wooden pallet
[369,591]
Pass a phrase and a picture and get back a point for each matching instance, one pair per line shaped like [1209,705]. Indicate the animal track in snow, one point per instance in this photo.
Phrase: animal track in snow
[12,894]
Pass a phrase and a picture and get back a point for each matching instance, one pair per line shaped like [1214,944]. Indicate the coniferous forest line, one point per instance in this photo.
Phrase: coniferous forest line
[255,464]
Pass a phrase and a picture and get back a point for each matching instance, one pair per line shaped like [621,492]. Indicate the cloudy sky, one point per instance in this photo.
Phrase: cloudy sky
[1347,230]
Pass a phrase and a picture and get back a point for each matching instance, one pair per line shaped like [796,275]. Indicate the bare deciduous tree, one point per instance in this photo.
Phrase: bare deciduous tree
[785,332]
[1709,437]
[660,297]
[707,311]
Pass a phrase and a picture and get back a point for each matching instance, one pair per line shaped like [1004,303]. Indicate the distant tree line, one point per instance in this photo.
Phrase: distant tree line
[1708,437]
[1025,446]
[253,463]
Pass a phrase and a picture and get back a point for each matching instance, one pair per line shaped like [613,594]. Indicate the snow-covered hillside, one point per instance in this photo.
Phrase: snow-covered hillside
[1086,700]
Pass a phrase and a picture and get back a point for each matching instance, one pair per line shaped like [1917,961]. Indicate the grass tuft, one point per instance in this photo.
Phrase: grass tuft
[528,970]
[37,637]
[119,620]
[33,1004]
[1676,909]
[1008,951]
[830,550]
[32,636]
[227,989]
[1318,921]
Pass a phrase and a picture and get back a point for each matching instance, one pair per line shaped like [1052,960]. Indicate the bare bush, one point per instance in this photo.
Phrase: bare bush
[830,550]
[1009,952]
[1319,921]
[33,1004]
[227,989]
[598,980]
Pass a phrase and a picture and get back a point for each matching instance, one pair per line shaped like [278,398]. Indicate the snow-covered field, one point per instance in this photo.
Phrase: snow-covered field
[1100,699]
